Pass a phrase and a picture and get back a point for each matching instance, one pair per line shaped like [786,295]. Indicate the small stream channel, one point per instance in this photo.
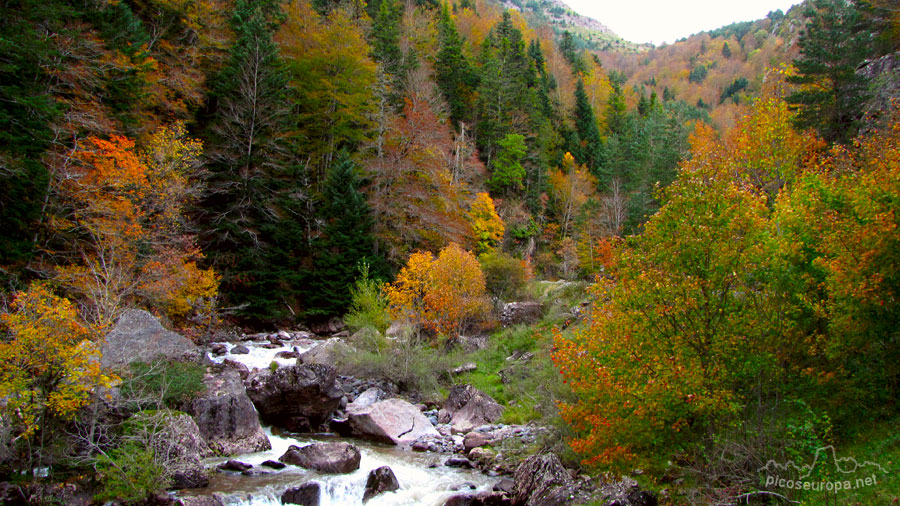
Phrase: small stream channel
[423,478]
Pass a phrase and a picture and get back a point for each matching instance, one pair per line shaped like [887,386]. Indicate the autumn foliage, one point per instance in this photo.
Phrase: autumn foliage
[443,294]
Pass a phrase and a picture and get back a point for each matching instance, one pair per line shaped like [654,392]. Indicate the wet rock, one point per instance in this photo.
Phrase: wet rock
[218,349]
[226,416]
[380,480]
[234,465]
[299,397]
[287,354]
[332,326]
[541,480]
[467,407]
[482,455]
[139,337]
[336,458]
[506,486]
[516,313]
[460,462]
[240,350]
[273,464]
[392,420]
[306,495]
[241,369]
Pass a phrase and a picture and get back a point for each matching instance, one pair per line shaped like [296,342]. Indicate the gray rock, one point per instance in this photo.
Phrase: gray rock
[139,337]
[332,326]
[475,440]
[380,480]
[478,499]
[175,436]
[300,398]
[234,465]
[366,399]
[336,458]
[306,495]
[325,353]
[201,500]
[467,407]
[461,462]
[391,421]
[273,464]
[626,492]
[516,313]
[482,455]
[226,416]
[240,350]
[400,330]
[541,480]
[464,368]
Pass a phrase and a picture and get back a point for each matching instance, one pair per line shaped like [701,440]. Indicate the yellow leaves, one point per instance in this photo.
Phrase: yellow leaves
[486,223]
[50,365]
[444,294]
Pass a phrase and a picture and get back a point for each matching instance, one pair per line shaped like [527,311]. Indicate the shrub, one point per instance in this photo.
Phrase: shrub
[162,384]
[505,276]
[368,306]
[129,474]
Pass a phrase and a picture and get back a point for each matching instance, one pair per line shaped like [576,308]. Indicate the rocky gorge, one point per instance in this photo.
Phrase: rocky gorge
[274,423]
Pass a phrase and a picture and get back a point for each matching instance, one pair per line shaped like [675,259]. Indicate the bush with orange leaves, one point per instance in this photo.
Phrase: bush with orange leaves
[444,295]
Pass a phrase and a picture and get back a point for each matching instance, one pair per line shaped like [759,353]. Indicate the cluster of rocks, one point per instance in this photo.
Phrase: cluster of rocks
[308,396]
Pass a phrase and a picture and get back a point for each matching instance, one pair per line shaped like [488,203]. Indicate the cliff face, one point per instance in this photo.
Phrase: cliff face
[883,75]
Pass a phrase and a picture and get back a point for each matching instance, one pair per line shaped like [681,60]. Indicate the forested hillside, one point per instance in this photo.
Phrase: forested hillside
[707,229]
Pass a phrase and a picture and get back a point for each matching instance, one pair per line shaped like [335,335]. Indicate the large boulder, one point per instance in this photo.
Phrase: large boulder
[139,337]
[478,499]
[226,416]
[299,398]
[325,353]
[337,458]
[366,399]
[380,480]
[467,408]
[391,421]
[516,313]
[626,492]
[306,494]
[541,480]
[176,437]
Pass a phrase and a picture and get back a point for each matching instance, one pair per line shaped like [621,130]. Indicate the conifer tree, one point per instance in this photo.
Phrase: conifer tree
[453,73]
[832,95]
[590,146]
[250,167]
[345,243]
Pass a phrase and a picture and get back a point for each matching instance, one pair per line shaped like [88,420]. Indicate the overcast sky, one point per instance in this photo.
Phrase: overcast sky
[659,21]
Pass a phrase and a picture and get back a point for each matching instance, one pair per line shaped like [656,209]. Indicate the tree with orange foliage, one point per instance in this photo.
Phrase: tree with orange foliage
[486,223]
[444,294]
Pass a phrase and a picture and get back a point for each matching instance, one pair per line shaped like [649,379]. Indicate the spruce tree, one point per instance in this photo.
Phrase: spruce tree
[835,41]
[590,145]
[453,73]
[345,243]
[250,170]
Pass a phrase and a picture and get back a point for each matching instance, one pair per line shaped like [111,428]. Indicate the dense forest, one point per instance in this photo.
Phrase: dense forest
[726,207]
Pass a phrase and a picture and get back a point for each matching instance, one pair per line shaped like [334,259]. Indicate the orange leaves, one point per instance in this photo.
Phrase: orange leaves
[128,209]
[443,294]
[50,365]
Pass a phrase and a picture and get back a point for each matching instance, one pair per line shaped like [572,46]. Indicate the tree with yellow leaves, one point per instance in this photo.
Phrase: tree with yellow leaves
[51,366]
[486,224]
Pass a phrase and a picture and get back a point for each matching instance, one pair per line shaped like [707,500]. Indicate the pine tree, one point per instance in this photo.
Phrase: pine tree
[453,72]
[345,243]
[832,95]
[250,169]
[590,145]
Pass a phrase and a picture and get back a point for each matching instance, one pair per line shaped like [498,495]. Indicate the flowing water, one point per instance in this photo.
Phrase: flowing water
[423,478]
[420,484]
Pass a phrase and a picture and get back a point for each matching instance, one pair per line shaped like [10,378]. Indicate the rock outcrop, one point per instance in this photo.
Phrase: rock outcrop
[139,337]
[391,421]
[299,398]
[324,353]
[366,399]
[541,480]
[516,313]
[467,408]
[226,416]
[177,437]
[380,480]
[336,458]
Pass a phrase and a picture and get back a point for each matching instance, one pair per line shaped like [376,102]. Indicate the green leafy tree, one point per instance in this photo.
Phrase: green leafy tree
[507,172]
[831,95]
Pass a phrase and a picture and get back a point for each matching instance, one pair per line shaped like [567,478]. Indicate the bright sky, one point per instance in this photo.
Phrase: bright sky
[659,21]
